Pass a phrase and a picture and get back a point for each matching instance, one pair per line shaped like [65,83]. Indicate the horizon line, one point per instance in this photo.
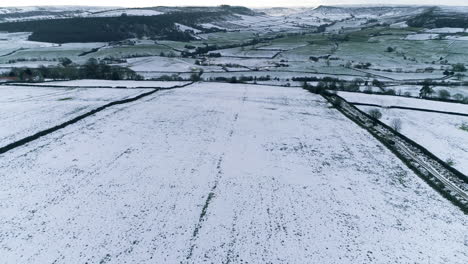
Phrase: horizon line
[248,6]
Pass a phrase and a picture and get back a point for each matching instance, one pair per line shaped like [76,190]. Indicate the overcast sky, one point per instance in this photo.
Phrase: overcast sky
[253,3]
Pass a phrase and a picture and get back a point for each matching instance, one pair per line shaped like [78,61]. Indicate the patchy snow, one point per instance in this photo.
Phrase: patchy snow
[30,64]
[461,38]
[15,41]
[247,52]
[242,61]
[445,30]
[210,25]
[399,25]
[187,28]
[422,36]
[413,90]
[128,12]
[163,64]
[220,173]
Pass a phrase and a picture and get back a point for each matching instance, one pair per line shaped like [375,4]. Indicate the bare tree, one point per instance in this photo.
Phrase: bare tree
[396,124]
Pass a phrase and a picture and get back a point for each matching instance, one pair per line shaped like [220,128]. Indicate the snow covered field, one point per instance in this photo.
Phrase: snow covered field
[164,64]
[422,36]
[386,100]
[128,12]
[246,52]
[215,173]
[441,134]
[25,111]
[110,83]
[414,90]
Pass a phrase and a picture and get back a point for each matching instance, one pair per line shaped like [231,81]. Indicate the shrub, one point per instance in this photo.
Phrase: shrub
[390,92]
[375,114]
[338,102]
[450,162]
[444,94]
[396,124]
[464,127]
[459,67]
[458,97]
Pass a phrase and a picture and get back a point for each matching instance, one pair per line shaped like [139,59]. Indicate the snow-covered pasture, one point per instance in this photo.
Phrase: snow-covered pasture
[422,36]
[166,64]
[413,90]
[220,173]
[110,83]
[441,134]
[14,41]
[246,52]
[387,100]
[128,12]
[25,111]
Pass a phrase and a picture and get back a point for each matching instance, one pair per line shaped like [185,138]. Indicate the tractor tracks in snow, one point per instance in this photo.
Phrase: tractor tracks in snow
[212,193]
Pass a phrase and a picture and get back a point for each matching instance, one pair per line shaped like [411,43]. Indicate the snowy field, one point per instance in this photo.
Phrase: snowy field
[387,100]
[128,12]
[164,64]
[219,173]
[110,83]
[25,111]
[441,134]
[246,52]
[413,90]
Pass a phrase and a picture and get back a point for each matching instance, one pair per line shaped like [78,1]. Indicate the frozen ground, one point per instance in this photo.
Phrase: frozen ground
[109,83]
[414,90]
[441,134]
[25,111]
[217,173]
[387,100]
[422,36]
[165,64]
[128,12]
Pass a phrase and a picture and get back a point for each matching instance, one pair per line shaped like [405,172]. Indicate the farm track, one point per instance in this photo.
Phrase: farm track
[451,183]
[53,129]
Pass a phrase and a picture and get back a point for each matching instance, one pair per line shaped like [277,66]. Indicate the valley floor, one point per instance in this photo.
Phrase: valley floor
[220,173]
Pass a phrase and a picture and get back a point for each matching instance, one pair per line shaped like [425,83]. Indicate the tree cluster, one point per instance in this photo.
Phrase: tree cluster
[92,69]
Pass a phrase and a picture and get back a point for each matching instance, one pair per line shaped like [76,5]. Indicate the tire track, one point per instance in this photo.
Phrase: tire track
[211,194]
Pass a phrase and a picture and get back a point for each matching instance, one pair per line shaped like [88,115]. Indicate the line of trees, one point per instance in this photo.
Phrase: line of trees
[92,69]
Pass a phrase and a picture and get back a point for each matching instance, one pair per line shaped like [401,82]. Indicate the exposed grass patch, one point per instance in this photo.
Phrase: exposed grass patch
[65,99]
[464,127]
[450,162]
